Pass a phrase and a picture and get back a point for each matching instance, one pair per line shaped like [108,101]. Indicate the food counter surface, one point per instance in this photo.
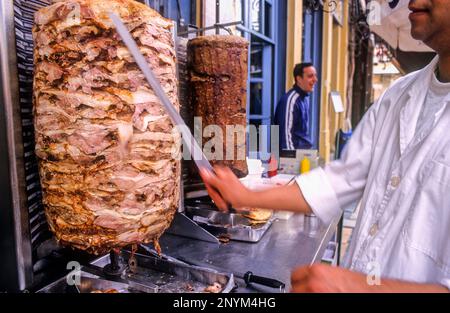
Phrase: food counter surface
[300,240]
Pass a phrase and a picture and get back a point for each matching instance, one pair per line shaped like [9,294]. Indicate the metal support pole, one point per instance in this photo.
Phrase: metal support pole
[217,16]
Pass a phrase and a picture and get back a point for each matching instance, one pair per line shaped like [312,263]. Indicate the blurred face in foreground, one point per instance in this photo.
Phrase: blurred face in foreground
[430,23]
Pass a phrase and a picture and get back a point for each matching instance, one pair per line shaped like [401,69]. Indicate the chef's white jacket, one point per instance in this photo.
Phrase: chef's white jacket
[403,182]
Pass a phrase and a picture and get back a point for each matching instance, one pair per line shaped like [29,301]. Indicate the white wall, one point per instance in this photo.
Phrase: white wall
[230,11]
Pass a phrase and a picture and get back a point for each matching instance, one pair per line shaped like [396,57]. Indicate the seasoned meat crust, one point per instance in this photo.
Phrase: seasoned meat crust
[218,70]
[106,148]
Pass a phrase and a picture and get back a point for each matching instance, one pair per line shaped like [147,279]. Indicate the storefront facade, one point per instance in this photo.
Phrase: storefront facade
[282,34]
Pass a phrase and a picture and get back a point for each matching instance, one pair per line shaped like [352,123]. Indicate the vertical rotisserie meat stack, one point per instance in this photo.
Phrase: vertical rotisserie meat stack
[218,71]
[106,148]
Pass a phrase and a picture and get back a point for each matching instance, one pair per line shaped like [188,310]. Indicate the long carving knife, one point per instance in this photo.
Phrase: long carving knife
[194,149]
[248,277]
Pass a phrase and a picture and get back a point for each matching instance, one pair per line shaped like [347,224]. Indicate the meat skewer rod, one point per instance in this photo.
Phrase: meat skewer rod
[115,267]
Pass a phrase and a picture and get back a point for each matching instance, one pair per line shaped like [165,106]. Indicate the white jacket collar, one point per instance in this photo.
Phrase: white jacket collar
[416,94]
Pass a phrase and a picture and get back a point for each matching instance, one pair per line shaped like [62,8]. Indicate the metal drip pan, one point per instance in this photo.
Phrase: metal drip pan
[150,275]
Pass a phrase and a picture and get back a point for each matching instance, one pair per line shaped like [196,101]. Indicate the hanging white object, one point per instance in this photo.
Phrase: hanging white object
[389,20]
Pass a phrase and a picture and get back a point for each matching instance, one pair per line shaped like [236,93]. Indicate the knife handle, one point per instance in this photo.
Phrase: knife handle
[270,282]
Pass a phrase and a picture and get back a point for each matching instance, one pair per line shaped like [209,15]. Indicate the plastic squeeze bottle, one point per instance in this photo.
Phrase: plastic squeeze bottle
[305,165]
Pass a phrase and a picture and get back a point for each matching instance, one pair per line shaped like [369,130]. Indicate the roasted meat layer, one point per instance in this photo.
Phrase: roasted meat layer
[106,148]
[218,70]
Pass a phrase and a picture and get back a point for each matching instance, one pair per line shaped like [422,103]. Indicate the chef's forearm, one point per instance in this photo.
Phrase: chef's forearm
[286,198]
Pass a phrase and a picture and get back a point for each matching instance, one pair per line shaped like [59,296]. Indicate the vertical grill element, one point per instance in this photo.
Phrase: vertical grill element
[23,22]
[183,92]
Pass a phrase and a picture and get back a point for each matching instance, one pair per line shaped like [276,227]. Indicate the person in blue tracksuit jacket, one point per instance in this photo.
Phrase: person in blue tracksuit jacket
[292,112]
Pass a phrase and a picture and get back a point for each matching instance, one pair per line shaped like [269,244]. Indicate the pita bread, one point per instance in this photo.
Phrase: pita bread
[258,215]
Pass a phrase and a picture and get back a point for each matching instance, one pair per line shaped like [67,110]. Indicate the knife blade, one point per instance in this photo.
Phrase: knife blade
[194,149]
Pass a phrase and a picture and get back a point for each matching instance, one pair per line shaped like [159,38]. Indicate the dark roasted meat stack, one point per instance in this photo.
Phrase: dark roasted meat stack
[218,78]
[107,155]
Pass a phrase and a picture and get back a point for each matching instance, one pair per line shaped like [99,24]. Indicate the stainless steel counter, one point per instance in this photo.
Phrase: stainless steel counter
[301,240]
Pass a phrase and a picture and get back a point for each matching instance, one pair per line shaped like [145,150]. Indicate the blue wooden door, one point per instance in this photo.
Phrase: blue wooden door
[260,27]
[312,52]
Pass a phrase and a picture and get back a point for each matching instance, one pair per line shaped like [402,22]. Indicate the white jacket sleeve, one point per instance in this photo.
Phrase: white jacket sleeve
[446,283]
[340,183]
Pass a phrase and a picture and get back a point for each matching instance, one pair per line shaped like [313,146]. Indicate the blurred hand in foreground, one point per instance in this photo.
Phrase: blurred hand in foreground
[225,188]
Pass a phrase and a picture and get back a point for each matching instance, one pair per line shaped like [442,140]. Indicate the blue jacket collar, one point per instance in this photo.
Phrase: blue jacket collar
[300,91]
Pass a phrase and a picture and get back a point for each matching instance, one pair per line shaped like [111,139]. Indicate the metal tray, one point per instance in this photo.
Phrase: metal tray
[98,285]
[151,275]
[228,225]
